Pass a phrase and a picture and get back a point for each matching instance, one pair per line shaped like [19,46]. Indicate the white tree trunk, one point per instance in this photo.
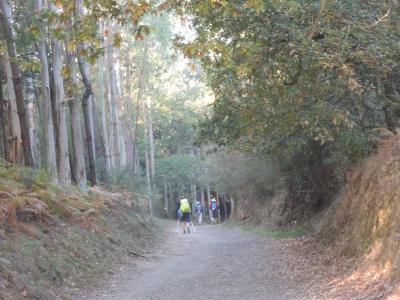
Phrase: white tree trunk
[128,145]
[76,130]
[103,112]
[119,98]
[166,206]
[48,118]
[113,106]
[32,120]
[148,179]
[151,138]
[109,128]
[193,195]
[209,200]
[15,145]
[202,198]
[60,108]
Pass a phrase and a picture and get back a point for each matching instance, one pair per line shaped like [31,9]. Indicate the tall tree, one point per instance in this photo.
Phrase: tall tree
[51,162]
[87,114]
[60,109]
[76,126]
[113,105]
[101,97]
[6,20]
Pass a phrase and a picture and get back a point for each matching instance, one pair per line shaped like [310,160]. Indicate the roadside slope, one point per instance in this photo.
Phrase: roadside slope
[361,231]
[54,239]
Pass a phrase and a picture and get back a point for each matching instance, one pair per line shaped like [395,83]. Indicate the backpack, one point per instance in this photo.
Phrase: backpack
[185,207]
[213,205]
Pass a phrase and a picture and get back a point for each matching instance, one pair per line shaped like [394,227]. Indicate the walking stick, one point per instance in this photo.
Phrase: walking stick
[194,230]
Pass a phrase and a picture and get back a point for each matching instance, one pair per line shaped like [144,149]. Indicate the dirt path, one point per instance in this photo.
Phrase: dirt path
[214,263]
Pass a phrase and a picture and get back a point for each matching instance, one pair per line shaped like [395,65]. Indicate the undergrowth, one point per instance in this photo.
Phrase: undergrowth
[54,239]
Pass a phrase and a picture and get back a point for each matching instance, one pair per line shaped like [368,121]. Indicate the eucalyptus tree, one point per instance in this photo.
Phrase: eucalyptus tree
[7,23]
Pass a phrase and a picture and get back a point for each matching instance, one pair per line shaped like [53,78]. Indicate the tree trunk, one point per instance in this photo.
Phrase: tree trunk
[100,145]
[166,206]
[32,119]
[219,207]
[60,108]
[3,132]
[129,138]
[49,127]
[171,197]
[193,195]
[6,19]
[151,137]
[232,205]
[202,198]
[14,127]
[148,179]
[87,111]
[209,200]
[109,128]
[76,133]
[225,210]
[63,151]
[113,106]
[103,114]
[128,146]
[15,145]
[120,128]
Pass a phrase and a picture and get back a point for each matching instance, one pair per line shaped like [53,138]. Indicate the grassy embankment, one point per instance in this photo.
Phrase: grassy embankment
[55,239]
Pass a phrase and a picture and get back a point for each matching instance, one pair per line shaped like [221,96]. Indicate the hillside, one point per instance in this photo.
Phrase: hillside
[55,239]
[360,232]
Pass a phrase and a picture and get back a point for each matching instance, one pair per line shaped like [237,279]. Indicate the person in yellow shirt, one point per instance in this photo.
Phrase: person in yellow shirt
[186,210]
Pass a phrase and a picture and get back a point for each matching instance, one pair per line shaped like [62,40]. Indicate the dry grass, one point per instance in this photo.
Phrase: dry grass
[365,226]
[53,237]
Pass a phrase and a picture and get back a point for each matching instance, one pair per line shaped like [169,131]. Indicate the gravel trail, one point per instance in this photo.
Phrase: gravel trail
[216,262]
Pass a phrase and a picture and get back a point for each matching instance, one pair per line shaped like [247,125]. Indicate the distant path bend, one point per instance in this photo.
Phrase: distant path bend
[216,262]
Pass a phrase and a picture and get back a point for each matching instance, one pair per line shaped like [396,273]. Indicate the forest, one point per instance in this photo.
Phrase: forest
[93,94]
[287,112]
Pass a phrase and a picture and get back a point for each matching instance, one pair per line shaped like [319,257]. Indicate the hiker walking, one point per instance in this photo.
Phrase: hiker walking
[214,210]
[185,214]
[199,212]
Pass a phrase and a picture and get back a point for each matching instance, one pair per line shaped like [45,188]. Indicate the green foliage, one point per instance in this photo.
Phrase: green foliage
[125,179]
[182,170]
[291,81]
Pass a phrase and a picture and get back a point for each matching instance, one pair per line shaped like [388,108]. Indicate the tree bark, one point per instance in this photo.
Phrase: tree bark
[61,112]
[100,145]
[166,206]
[113,106]
[32,119]
[103,114]
[87,111]
[108,92]
[119,111]
[202,198]
[148,178]
[45,86]
[6,20]
[151,138]
[76,131]
[3,129]
[209,200]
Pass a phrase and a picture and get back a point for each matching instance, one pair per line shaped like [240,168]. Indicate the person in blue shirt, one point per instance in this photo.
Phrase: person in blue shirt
[199,212]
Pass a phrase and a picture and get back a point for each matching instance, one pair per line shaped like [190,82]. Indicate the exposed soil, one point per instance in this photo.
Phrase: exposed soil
[214,263]
[218,262]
